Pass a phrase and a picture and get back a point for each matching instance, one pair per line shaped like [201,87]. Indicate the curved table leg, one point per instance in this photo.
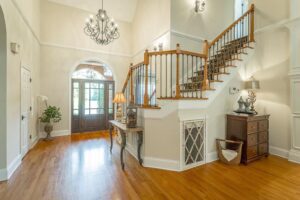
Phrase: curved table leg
[123,145]
[140,143]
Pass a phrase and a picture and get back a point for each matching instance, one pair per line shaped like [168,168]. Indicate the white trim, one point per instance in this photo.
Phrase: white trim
[34,141]
[13,166]
[279,152]
[84,49]
[57,133]
[211,157]
[3,174]
[146,46]
[294,74]
[157,163]
[281,24]
[187,36]
[294,156]
[26,21]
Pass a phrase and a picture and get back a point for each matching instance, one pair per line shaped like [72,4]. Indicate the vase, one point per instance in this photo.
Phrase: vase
[48,129]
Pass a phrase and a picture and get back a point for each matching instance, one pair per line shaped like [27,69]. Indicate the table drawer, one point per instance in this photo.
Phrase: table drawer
[263,137]
[252,152]
[263,148]
[252,127]
[263,125]
[252,139]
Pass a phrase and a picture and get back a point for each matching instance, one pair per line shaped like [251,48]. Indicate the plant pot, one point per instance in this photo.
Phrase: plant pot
[48,129]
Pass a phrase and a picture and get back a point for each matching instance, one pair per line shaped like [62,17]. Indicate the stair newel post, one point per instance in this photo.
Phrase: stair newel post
[205,72]
[131,84]
[252,24]
[178,52]
[146,63]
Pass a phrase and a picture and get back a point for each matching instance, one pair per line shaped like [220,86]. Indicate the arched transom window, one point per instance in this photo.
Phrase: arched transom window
[88,74]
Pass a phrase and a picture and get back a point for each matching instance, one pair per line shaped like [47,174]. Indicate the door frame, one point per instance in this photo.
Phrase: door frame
[23,154]
[106,99]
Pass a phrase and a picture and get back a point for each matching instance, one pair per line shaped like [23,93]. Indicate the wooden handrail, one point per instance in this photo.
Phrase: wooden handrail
[182,58]
[126,81]
[250,11]
[137,65]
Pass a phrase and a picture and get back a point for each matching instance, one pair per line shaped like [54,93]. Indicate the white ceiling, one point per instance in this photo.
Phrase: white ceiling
[118,9]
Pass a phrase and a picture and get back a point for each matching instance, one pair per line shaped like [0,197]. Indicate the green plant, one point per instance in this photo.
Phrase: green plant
[51,114]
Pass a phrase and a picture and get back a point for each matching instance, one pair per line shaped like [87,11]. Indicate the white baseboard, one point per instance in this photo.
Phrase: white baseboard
[34,141]
[211,157]
[57,133]
[171,165]
[294,156]
[3,174]
[279,152]
[13,166]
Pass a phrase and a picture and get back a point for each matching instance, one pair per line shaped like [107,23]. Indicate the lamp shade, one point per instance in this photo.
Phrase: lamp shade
[119,98]
[252,84]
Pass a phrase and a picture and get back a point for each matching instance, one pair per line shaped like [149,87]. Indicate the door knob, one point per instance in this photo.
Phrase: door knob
[23,117]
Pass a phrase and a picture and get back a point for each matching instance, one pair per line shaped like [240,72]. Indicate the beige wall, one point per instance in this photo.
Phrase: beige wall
[57,67]
[20,31]
[151,21]
[65,46]
[63,26]
[3,52]
[217,16]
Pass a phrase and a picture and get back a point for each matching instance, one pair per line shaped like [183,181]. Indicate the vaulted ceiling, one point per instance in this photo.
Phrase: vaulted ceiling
[119,9]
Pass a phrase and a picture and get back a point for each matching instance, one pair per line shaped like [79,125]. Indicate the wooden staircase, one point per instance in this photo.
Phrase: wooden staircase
[179,74]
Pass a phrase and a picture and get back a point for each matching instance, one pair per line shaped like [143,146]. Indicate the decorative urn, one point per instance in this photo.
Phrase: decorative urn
[131,116]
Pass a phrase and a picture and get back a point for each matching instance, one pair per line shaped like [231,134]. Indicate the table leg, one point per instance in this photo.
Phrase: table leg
[123,145]
[111,137]
[140,143]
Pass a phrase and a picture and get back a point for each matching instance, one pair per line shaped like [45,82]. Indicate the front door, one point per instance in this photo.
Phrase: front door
[25,110]
[92,105]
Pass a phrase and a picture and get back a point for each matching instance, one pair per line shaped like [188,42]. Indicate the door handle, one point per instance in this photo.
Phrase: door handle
[23,117]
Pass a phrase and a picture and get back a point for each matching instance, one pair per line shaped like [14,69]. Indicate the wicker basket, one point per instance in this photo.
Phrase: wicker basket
[233,145]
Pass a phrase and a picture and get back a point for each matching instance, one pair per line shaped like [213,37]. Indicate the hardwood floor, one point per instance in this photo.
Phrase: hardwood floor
[81,167]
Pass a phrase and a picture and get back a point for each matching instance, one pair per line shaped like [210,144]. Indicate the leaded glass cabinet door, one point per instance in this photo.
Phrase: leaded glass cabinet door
[91,105]
[193,143]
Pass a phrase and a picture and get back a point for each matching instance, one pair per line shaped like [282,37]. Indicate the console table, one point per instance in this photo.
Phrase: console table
[123,131]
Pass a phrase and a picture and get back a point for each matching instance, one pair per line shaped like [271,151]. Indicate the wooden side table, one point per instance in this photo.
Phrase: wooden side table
[253,130]
[123,131]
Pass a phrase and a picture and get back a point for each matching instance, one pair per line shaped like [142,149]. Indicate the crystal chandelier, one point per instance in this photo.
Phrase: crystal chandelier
[101,28]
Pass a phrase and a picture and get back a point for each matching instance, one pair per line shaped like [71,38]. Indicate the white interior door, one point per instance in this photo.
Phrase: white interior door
[25,110]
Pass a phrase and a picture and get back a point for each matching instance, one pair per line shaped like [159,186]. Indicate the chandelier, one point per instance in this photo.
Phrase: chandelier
[101,28]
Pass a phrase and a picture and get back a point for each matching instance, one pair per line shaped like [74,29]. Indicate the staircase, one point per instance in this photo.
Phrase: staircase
[184,75]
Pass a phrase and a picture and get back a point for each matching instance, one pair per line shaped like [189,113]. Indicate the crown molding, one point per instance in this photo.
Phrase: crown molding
[187,36]
[85,49]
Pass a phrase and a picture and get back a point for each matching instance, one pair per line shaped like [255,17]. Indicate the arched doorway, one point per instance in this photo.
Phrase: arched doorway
[3,57]
[92,95]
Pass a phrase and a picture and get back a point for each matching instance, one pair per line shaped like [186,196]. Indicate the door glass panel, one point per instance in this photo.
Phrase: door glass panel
[94,111]
[110,99]
[75,98]
[75,112]
[94,85]
[87,99]
[87,111]
[94,98]
[87,85]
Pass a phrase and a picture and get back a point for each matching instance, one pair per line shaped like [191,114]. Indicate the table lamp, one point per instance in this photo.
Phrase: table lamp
[119,99]
[252,85]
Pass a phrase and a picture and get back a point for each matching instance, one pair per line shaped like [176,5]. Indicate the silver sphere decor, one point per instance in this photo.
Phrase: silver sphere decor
[101,28]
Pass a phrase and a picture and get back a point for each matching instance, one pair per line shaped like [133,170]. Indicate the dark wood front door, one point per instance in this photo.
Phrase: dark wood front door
[92,105]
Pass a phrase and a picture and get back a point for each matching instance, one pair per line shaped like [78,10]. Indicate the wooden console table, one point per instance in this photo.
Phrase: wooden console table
[123,131]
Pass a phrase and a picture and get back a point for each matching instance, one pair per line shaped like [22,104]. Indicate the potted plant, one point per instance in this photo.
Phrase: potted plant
[50,116]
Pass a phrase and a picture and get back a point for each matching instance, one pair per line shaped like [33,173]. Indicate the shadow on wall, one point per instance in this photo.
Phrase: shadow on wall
[3,57]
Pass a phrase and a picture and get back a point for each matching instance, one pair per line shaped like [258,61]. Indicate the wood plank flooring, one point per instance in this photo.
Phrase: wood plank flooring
[80,167]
